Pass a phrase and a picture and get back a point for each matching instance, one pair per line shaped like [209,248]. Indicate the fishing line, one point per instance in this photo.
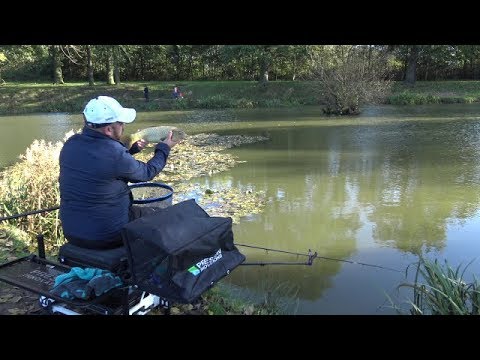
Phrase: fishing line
[311,258]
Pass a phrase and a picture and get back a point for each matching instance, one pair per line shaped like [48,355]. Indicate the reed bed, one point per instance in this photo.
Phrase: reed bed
[439,289]
[32,183]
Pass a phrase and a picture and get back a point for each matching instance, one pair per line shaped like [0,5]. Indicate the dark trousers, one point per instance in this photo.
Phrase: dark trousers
[134,212]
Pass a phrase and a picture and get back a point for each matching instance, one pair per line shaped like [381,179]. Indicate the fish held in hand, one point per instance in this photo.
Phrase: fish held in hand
[154,134]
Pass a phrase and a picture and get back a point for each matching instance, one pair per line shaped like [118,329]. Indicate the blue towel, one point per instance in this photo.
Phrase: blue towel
[85,283]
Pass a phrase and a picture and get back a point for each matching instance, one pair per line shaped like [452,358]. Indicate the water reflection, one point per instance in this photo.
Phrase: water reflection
[345,190]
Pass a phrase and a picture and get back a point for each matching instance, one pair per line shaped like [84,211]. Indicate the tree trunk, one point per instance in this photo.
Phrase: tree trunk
[264,72]
[176,61]
[473,68]
[294,67]
[265,77]
[142,64]
[116,69]
[91,81]
[369,56]
[116,75]
[110,78]
[57,64]
[411,73]
[264,64]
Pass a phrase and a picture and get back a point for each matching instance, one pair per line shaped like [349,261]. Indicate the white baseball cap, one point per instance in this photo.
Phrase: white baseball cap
[106,110]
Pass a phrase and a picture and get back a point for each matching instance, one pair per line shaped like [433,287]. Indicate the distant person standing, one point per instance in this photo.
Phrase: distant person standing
[146,94]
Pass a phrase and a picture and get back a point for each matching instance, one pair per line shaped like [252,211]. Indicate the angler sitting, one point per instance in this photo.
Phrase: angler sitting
[95,168]
[177,94]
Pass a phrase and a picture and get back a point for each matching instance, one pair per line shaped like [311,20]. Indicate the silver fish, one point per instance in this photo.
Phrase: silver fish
[154,134]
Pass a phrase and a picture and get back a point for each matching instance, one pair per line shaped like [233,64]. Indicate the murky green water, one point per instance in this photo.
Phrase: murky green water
[375,189]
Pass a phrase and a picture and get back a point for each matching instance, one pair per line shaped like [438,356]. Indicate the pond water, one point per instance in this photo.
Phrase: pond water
[368,193]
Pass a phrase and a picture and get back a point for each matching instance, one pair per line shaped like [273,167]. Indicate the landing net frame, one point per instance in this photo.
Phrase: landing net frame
[151,192]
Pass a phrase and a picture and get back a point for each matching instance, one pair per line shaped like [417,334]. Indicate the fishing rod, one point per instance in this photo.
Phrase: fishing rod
[131,186]
[311,257]
[29,213]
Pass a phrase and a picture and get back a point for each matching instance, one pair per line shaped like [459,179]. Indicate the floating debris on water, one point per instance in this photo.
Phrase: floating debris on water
[202,155]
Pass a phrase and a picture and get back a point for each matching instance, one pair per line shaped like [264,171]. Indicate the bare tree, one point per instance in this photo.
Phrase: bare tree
[350,76]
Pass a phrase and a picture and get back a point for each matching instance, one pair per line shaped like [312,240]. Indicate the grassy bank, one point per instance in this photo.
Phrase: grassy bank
[435,92]
[22,98]
[71,98]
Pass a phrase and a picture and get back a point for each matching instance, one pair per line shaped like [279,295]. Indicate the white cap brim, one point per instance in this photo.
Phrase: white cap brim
[127,115]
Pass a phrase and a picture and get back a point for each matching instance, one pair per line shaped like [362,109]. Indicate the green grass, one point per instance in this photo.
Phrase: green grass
[435,92]
[20,98]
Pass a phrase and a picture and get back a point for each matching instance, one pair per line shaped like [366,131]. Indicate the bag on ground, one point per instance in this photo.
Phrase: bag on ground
[180,252]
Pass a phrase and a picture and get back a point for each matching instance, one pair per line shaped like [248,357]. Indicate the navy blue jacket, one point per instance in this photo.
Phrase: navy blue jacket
[94,195]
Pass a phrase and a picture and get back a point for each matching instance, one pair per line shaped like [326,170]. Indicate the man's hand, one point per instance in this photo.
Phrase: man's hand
[137,146]
[169,140]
